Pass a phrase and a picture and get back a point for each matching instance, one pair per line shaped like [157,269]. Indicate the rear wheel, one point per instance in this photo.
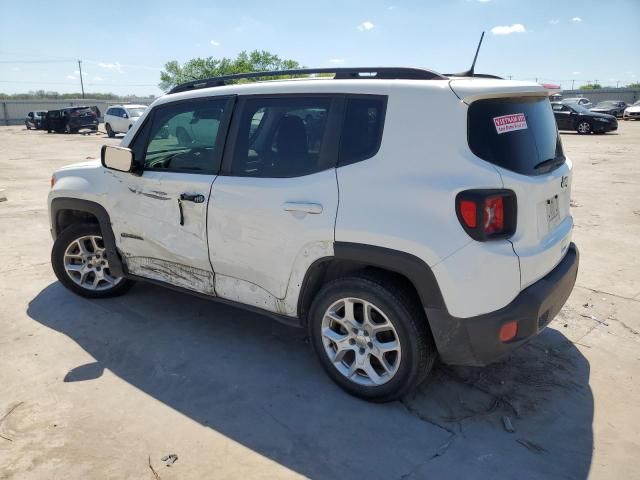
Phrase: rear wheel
[583,127]
[371,338]
[110,132]
[80,262]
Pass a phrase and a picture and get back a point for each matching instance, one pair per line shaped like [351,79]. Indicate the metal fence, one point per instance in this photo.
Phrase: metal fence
[628,95]
[13,112]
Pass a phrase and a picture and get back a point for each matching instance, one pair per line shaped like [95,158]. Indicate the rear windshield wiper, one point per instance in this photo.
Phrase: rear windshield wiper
[552,162]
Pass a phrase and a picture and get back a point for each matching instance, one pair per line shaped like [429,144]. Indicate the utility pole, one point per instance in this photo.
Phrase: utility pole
[618,84]
[509,77]
[572,83]
[81,82]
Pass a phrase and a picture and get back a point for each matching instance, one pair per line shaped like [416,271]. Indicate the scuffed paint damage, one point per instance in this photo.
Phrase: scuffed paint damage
[251,294]
[174,273]
[156,195]
[247,293]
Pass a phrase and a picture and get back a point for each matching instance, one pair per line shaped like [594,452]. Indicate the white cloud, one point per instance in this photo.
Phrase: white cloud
[364,26]
[76,72]
[484,1]
[111,66]
[576,73]
[72,77]
[391,7]
[508,29]
[576,19]
[554,21]
[336,60]
[98,79]
[214,43]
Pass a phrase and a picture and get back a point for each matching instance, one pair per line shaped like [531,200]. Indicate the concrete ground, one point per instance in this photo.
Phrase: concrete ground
[105,389]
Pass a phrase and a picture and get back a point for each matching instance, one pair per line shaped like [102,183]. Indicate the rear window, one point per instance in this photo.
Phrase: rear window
[518,134]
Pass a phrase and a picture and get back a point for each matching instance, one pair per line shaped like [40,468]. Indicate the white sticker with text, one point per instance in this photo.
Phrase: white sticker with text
[510,123]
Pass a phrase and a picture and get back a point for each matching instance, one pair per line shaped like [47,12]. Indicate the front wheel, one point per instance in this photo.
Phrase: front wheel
[371,338]
[584,127]
[110,132]
[80,262]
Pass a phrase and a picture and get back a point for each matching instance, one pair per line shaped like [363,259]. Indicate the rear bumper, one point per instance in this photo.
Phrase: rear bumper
[474,341]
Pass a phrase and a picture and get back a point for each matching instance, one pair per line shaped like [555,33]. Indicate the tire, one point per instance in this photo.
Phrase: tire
[27,125]
[110,132]
[583,127]
[67,128]
[87,266]
[406,366]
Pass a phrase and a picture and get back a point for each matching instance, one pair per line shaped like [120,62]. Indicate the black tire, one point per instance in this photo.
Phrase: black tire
[110,132]
[67,128]
[27,125]
[64,240]
[583,127]
[418,349]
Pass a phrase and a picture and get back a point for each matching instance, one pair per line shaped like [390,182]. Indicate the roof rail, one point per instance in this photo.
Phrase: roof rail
[383,73]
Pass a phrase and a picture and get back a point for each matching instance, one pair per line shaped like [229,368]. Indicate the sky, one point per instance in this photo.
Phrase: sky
[124,44]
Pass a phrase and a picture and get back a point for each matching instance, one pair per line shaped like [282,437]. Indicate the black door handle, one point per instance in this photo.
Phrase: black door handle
[192,197]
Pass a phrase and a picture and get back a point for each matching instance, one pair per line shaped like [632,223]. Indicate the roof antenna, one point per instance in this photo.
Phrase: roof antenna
[470,72]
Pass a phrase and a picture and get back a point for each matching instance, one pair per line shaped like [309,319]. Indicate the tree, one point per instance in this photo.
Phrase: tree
[634,85]
[199,68]
[591,86]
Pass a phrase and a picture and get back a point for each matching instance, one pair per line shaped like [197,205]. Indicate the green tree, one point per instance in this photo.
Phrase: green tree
[591,86]
[199,68]
[634,85]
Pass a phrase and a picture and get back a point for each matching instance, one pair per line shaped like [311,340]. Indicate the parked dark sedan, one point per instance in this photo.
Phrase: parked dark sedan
[610,107]
[72,119]
[583,121]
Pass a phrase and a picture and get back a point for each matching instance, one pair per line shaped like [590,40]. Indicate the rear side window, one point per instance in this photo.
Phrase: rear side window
[362,129]
[280,137]
[518,134]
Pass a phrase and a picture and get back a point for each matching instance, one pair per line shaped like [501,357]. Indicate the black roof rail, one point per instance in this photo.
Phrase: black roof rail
[475,75]
[384,73]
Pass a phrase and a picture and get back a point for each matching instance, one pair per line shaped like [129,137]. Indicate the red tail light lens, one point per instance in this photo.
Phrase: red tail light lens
[469,213]
[487,214]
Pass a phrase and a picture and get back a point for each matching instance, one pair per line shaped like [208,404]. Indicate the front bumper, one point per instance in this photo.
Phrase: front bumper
[604,127]
[474,341]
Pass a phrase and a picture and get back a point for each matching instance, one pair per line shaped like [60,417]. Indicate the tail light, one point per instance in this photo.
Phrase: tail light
[487,214]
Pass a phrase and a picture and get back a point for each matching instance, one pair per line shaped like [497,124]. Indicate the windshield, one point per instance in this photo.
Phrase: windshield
[135,111]
[606,104]
[518,134]
[579,108]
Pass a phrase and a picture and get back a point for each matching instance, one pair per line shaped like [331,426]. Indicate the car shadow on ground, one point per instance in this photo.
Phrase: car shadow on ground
[258,383]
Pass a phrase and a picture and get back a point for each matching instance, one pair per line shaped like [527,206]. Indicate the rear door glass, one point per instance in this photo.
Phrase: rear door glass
[518,134]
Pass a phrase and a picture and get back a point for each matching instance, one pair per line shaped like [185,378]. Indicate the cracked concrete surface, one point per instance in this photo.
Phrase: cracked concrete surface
[107,388]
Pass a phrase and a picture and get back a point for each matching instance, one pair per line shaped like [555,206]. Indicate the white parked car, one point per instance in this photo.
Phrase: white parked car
[632,111]
[580,101]
[398,216]
[120,118]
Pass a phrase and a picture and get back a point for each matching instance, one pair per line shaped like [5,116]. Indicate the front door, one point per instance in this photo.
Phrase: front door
[273,208]
[159,217]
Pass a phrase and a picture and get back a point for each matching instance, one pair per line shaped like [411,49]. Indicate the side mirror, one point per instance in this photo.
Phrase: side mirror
[125,115]
[117,158]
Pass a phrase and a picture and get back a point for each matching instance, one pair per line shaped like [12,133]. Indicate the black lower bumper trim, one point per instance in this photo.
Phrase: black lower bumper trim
[474,340]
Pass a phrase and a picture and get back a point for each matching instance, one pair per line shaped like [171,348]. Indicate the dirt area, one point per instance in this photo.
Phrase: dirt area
[106,389]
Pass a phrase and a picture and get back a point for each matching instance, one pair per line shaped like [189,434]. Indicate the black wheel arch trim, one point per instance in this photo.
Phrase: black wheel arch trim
[412,267]
[98,211]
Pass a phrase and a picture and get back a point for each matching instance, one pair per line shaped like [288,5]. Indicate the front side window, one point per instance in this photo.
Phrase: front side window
[183,136]
[280,137]
[362,129]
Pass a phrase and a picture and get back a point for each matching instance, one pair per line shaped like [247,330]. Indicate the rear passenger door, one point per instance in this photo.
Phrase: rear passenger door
[273,207]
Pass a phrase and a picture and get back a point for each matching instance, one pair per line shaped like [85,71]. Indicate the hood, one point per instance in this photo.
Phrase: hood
[633,108]
[94,163]
[598,115]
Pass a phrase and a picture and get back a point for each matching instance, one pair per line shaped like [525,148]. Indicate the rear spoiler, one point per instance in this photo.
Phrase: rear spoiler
[470,90]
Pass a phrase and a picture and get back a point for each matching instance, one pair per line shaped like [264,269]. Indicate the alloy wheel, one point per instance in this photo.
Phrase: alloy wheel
[361,342]
[85,262]
[584,127]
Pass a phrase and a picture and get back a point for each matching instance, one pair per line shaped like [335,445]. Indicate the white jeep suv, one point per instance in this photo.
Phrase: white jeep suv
[120,118]
[399,216]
